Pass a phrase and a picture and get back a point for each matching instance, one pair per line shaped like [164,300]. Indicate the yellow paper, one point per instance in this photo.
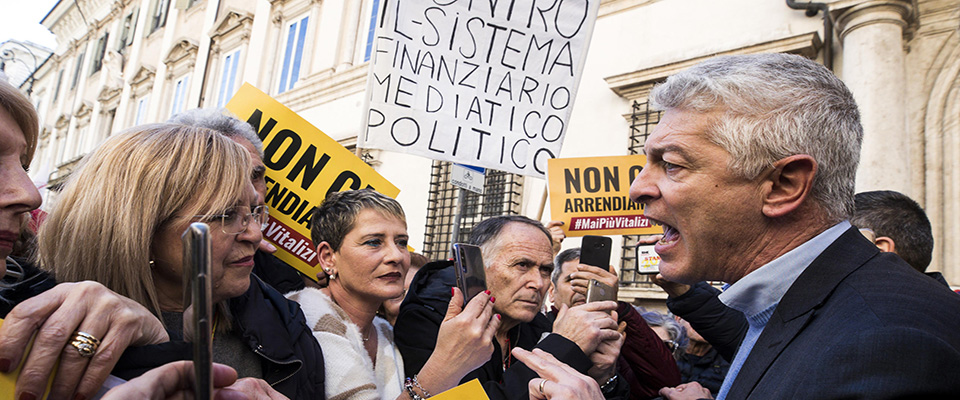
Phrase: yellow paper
[8,382]
[303,166]
[591,195]
[468,391]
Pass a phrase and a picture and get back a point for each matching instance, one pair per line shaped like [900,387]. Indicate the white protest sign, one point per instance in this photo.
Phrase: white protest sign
[481,82]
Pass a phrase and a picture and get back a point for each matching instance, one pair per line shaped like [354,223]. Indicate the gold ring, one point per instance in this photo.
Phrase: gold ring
[86,344]
[89,337]
[542,382]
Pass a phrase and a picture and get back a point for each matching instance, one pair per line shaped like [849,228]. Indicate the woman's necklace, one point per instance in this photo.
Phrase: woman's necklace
[366,337]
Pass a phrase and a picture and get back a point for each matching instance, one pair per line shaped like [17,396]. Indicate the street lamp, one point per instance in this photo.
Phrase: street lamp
[10,55]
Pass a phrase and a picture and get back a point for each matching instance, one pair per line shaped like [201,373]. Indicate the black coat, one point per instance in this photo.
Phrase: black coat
[275,330]
[419,320]
[31,283]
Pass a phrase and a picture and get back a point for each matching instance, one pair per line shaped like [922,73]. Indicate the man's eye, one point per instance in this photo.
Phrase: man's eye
[669,166]
[402,242]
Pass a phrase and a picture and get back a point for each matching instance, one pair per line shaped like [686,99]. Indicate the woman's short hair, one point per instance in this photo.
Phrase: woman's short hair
[129,189]
[18,106]
[336,216]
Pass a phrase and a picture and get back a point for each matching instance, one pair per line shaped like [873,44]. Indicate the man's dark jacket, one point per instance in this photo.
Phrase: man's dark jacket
[645,362]
[707,370]
[275,330]
[419,320]
[857,323]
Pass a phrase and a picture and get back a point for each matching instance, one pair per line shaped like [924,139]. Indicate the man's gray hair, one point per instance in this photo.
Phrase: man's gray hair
[773,106]
[220,120]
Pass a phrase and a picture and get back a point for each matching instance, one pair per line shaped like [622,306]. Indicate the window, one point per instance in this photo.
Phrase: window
[374,8]
[159,18]
[293,53]
[141,114]
[179,95]
[128,30]
[642,122]
[76,71]
[228,78]
[56,92]
[501,196]
[98,53]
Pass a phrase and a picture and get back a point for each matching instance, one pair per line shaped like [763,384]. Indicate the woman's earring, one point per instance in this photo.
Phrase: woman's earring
[152,264]
[331,273]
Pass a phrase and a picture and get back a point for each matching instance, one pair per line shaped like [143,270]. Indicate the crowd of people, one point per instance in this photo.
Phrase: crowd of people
[750,172]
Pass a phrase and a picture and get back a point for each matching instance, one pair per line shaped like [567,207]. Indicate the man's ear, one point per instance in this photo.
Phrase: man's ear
[885,244]
[788,185]
[550,294]
[327,257]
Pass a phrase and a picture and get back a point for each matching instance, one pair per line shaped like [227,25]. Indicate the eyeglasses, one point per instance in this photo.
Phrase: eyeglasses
[234,220]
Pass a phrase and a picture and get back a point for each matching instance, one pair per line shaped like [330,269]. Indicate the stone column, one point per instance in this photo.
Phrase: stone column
[871,34]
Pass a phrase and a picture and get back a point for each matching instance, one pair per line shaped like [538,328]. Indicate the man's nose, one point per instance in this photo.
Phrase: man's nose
[643,189]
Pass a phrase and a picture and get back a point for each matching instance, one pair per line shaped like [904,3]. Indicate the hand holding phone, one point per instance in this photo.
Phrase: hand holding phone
[599,291]
[471,277]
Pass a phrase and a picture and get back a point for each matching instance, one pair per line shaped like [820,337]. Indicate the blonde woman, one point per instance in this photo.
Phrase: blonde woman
[119,221]
[60,314]
[361,239]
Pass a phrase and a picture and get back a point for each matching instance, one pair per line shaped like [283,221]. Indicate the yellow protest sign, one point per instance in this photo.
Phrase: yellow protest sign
[303,166]
[8,382]
[591,195]
[468,391]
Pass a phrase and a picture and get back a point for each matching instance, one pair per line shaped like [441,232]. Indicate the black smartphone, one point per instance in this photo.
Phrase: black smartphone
[599,291]
[648,261]
[468,262]
[197,294]
[595,251]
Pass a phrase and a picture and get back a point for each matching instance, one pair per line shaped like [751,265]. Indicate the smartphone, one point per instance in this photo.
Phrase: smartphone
[197,293]
[595,251]
[648,261]
[468,263]
[599,291]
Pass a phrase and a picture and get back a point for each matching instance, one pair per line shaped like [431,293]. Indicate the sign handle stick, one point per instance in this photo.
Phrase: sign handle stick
[455,235]
[543,202]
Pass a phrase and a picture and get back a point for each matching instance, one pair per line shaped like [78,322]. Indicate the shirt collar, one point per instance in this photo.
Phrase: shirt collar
[765,286]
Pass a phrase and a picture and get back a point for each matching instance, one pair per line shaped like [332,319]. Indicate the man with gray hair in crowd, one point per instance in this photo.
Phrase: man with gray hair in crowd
[751,173]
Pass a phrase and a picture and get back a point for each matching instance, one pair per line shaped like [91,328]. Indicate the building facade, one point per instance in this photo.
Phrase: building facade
[124,62]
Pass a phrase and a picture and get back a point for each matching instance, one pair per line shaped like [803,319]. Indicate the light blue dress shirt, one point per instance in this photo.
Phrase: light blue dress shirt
[757,294]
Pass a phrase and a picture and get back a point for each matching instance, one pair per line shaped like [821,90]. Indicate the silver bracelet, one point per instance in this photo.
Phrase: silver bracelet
[409,386]
[416,382]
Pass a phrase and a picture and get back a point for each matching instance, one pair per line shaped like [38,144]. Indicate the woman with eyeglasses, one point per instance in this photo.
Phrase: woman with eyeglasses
[119,221]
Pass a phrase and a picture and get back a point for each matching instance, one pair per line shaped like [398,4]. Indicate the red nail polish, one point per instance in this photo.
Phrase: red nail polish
[452,292]
[486,291]
[493,299]
[498,317]
[4,365]
[28,396]
[79,396]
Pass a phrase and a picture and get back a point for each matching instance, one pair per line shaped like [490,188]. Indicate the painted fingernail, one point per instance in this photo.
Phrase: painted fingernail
[498,316]
[452,292]
[493,299]
[4,365]
[28,396]
[79,396]
[486,291]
